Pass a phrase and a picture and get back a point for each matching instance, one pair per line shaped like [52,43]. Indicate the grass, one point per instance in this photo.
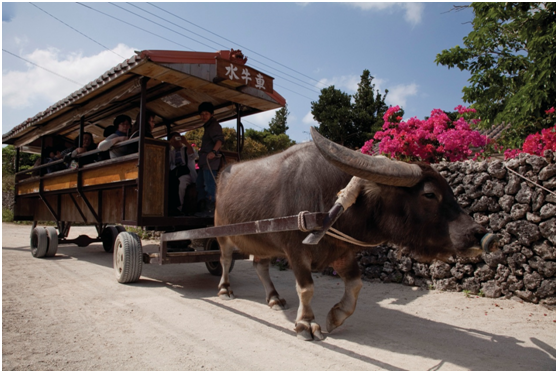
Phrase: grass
[7,215]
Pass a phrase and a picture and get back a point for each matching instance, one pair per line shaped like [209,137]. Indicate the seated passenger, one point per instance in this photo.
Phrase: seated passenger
[122,124]
[182,158]
[133,148]
[103,156]
[54,153]
[87,145]
[149,130]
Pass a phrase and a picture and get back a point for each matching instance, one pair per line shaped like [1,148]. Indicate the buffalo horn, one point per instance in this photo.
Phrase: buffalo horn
[380,170]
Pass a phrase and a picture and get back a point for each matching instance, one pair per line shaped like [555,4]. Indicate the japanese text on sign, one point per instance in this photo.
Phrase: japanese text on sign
[243,75]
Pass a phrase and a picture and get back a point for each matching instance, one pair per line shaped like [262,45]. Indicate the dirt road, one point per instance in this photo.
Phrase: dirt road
[69,313]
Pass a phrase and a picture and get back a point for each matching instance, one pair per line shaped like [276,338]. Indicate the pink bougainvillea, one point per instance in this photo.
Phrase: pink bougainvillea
[537,143]
[430,140]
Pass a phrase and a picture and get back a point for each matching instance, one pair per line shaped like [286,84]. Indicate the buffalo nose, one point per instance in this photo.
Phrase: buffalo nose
[480,232]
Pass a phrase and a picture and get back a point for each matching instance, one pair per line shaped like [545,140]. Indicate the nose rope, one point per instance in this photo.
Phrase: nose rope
[346,198]
[332,232]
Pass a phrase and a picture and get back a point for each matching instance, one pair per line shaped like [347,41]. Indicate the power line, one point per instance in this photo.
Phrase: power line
[158,24]
[79,32]
[230,41]
[162,37]
[129,24]
[201,36]
[34,64]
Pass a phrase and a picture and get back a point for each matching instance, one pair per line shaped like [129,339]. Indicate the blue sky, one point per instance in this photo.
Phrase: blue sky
[304,46]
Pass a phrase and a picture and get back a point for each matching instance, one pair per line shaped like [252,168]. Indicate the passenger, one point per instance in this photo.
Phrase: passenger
[122,124]
[54,153]
[109,131]
[70,153]
[182,171]
[103,156]
[87,145]
[209,161]
[133,148]
[149,130]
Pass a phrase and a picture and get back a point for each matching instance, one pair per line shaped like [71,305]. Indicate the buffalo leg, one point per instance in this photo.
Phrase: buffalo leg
[271,295]
[305,326]
[347,268]
[227,247]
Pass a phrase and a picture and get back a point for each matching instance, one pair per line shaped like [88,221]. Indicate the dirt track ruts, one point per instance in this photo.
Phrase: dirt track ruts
[69,313]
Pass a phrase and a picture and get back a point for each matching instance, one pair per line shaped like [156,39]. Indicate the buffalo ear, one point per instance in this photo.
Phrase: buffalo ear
[380,170]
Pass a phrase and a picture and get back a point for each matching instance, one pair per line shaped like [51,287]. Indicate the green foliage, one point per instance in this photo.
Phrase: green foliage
[7,215]
[350,124]
[368,108]
[256,143]
[511,55]
[26,160]
[333,112]
[278,125]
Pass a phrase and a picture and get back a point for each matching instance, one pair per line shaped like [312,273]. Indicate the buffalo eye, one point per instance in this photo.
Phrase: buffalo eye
[430,195]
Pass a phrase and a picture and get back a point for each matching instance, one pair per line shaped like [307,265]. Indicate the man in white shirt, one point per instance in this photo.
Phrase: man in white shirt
[182,158]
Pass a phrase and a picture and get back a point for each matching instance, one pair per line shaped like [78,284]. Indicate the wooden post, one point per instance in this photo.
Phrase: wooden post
[81,127]
[16,161]
[141,143]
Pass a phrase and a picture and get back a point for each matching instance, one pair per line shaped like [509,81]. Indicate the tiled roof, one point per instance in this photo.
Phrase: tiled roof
[107,77]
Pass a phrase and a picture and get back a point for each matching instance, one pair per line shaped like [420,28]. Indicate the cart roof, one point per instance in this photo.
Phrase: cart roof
[178,82]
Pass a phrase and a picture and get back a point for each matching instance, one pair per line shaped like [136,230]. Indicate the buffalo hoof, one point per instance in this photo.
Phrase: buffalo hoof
[277,304]
[225,294]
[308,331]
[335,318]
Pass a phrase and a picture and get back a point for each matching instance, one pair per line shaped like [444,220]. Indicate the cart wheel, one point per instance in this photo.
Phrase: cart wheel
[39,242]
[109,237]
[215,268]
[52,241]
[128,257]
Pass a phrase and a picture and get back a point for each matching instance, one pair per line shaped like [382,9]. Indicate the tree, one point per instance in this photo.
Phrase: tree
[278,125]
[350,124]
[511,55]
[254,147]
[26,160]
[368,108]
[334,113]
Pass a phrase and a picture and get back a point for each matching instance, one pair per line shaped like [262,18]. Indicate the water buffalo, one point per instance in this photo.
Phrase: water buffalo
[409,205]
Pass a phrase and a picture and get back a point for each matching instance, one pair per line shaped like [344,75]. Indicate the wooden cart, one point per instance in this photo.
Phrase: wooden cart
[132,190]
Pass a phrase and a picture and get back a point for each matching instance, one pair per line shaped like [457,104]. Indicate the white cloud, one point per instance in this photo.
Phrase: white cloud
[21,89]
[398,95]
[413,11]
[257,121]
[347,83]
[309,119]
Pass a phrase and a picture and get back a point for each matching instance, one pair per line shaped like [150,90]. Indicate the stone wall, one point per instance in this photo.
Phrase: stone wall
[520,213]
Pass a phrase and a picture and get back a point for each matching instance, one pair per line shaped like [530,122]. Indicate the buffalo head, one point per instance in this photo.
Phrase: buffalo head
[410,205]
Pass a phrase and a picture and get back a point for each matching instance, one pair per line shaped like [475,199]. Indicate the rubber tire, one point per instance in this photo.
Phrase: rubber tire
[109,237]
[39,242]
[127,258]
[52,241]
[215,268]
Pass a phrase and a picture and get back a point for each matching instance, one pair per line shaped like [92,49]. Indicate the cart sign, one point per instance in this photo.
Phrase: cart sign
[243,75]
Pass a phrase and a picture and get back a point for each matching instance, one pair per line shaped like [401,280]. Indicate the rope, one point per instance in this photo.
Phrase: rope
[331,232]
[532,182]
[343,237]
[302,222]
[209,167]
[348,195]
